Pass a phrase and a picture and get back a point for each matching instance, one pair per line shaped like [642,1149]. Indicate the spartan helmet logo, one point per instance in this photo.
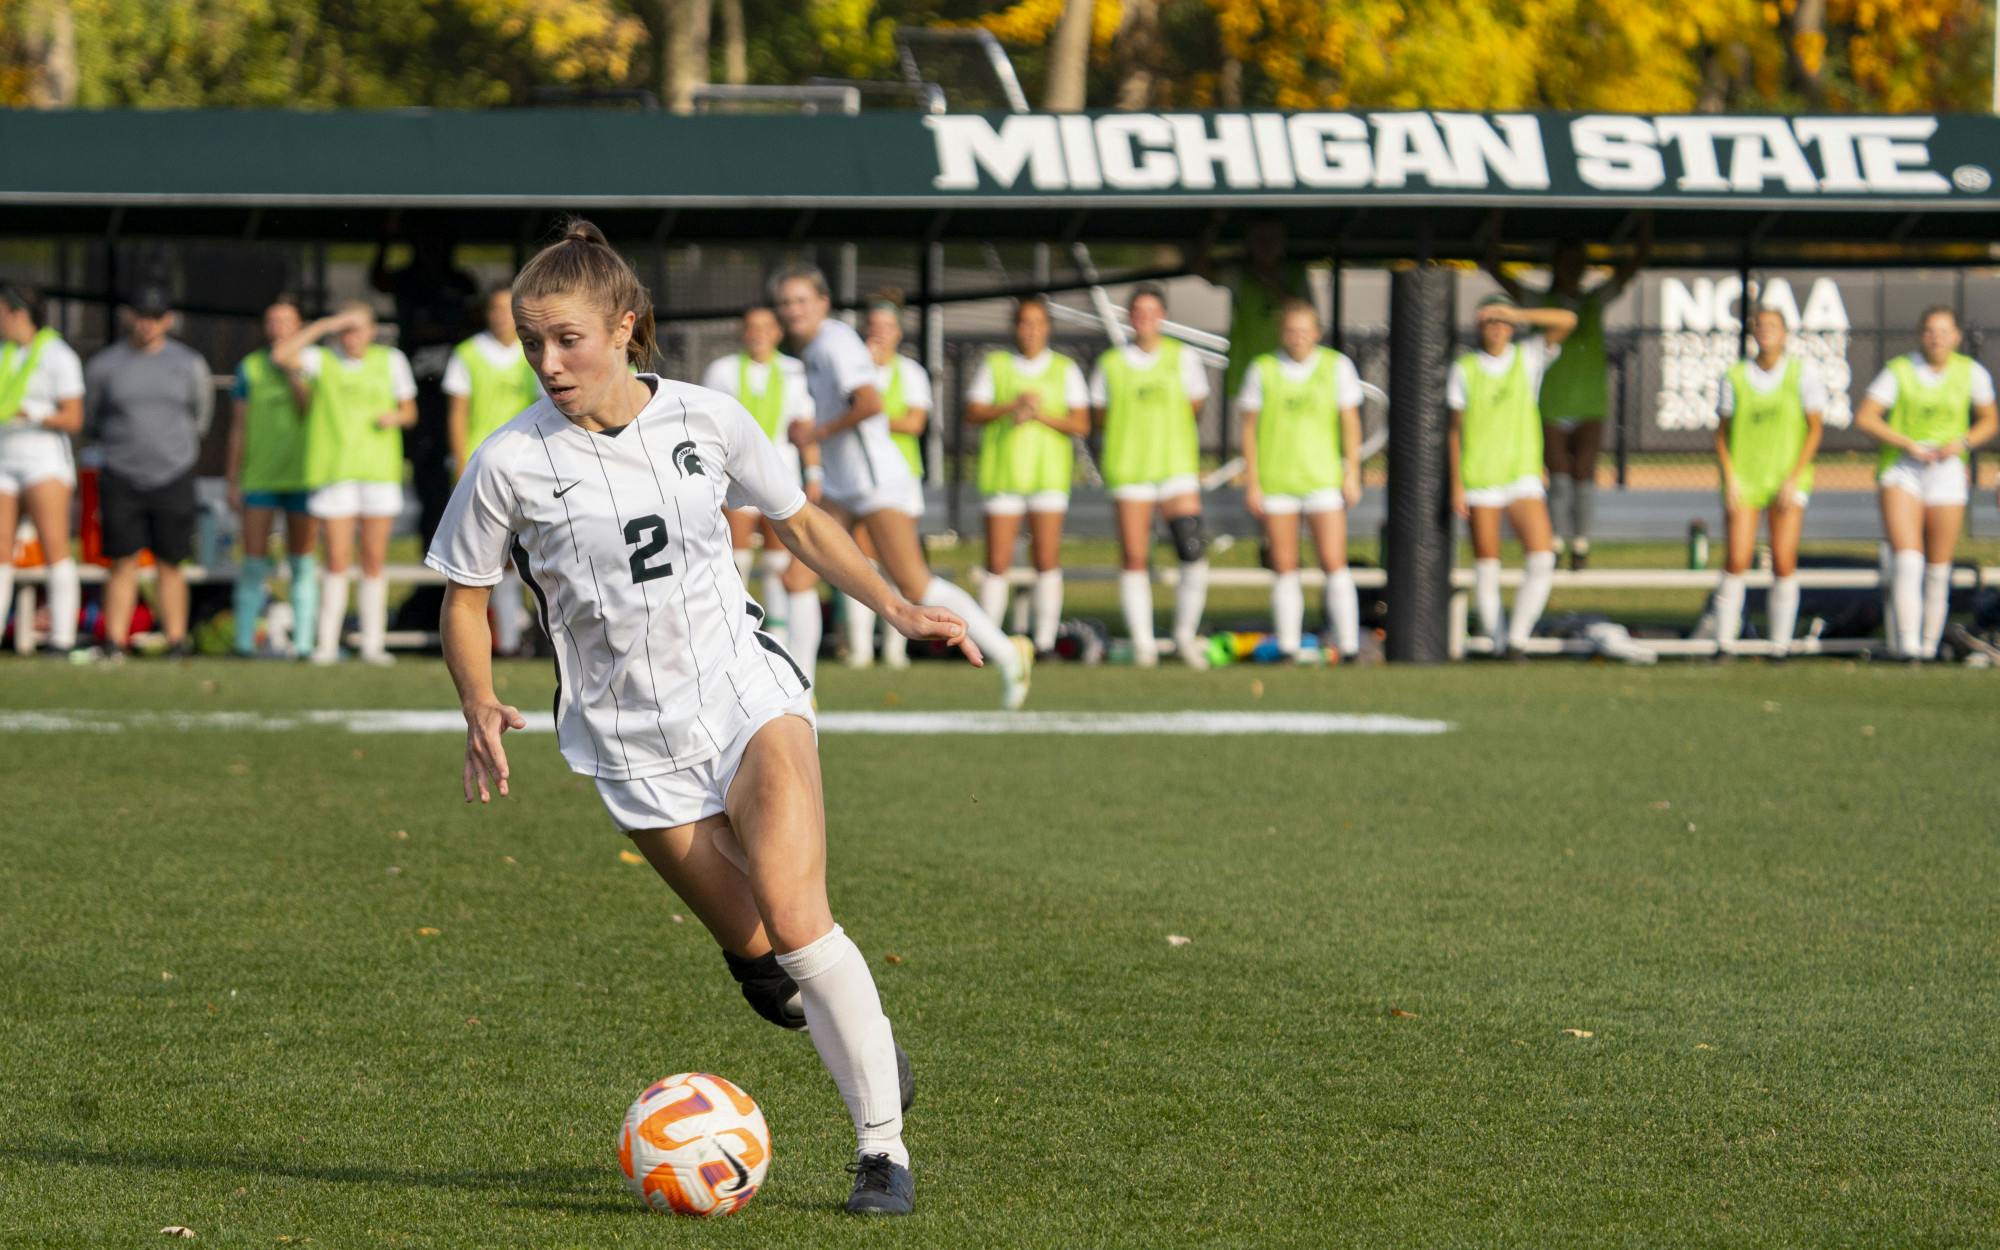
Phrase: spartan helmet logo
[686,461]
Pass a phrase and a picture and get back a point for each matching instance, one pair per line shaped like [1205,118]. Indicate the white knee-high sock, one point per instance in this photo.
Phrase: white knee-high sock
[1190,598]
[1783,610]
[1907,591]
[1486,597]
[859,623]
[372,601]
[6,593]
[1288,612]
[1048,598]
[771,589]
[510,619]
[332,612]
[744,557]
[990,638]
[802,630]
[1532,597]
[1937,606]
[993,594]
[853,1038]
[1728,610]
[1343,612]
[1135,596]
[65,594]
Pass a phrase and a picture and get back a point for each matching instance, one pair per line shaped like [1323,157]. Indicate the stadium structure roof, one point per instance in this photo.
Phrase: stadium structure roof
[1377,185]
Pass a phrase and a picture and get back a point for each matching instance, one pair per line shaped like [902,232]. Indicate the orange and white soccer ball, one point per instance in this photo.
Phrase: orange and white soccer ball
[694,1144]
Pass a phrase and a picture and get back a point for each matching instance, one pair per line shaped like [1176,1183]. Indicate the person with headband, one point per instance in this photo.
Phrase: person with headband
[1146,396]
[1301,409]
[1030,405]
[487,383]
[41,406]
[1929,410]
[359,397]
[696,725]
[267,479]
[868,483]
[1771,409]
[905,387]
[1495,446]
[772,386]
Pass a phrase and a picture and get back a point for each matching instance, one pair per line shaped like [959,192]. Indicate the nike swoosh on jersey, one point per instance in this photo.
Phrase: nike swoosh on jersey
[566,489]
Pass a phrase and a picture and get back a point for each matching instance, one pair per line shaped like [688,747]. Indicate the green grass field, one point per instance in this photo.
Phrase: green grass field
[1767,896]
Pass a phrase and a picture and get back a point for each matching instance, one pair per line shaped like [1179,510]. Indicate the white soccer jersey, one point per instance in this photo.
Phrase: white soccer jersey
[659,658]
[861,461]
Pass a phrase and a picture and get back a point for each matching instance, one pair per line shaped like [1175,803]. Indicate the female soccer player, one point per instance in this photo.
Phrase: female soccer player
[1147,396]
[267,478]
[1922,409]
[1771,409]
[359,396]
[772,386]
[487,383]
[1030,404]
[696,725]
[41,405]
[1496,457]
[1301,409]
[867,480]
[905,387]
[1575,398]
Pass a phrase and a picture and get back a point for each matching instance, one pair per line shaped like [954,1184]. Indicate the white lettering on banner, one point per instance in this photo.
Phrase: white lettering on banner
[1701,326]
[1718,156]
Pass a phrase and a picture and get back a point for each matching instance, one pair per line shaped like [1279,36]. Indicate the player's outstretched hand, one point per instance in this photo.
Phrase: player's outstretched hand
[485,758]
[918,623]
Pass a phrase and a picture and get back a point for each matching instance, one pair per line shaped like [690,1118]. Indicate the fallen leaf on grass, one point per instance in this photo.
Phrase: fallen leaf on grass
[471,1020]
[401,835]
[1397,1013]
[893,957]
[1663,805]
[1578,1033]
[631,857]
[677,918]
[1690,826]
[509,860]
[1868,731]
[427,931]
[891,698]
[166,976]
[210,686]
[395,871]
[1703,1046]
[238,769]
[1256,687]
[176,1230]
[1770,706]
[360,754]
[1175,939]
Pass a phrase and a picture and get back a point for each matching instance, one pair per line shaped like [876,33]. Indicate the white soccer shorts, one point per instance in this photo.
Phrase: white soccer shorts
[902,493]
[1503,496]
[1021,505]
[1940,484]
[26,460]
[1157,492]
[665,800]
[1315,502]
[345,499]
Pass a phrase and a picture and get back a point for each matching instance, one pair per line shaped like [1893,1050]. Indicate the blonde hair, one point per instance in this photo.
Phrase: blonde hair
[584,263]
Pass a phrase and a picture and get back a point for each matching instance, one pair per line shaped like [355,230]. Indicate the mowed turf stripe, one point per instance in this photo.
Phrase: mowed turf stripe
[1173,724]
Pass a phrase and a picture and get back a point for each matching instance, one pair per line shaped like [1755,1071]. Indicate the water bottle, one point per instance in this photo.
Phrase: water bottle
[1697,544]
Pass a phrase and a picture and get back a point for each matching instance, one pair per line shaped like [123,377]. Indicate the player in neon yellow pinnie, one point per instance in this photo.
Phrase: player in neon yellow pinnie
[1929,410]
[1771,408]
[1496,457]
[1301,410]
[1030,405]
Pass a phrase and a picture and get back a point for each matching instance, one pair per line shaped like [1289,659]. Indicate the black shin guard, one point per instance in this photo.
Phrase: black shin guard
[1190,544]
[768,988]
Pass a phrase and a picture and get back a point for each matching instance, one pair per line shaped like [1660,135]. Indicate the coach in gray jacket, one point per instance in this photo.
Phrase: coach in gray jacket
[147,402]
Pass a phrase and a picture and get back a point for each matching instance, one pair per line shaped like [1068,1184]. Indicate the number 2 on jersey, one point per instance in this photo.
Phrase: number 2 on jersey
[636,531]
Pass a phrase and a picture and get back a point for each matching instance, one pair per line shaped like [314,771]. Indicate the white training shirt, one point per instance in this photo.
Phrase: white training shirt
[58,376]
[458,378]
[1883,389]
[916,382]
[1812,386]
[1346,381]
[1194,377]
[721,375]
[861,460]
[1539,354]
[659,659]
[1075,394]
[313,359]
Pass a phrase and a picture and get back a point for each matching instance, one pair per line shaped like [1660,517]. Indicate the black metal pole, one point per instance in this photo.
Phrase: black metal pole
[1333,330]
[1419,555]
[931,321]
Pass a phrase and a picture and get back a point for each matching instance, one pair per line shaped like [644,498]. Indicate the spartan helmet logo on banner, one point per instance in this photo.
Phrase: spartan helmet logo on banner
[686,460]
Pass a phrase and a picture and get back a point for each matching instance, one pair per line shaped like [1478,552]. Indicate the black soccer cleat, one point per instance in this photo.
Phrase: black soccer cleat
[906,1082]
[881,1187]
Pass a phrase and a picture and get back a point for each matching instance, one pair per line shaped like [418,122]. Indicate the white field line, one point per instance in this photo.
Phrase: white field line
[365,721]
